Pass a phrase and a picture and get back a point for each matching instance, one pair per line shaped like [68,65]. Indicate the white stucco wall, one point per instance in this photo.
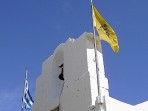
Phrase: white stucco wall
[79,90]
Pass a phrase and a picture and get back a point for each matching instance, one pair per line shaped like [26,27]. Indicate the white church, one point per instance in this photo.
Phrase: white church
[69,82]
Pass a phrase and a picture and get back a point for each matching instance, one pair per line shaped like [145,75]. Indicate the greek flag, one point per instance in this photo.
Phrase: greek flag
[27,100]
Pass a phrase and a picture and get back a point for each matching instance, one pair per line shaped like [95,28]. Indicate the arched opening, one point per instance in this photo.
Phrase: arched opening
[57,75]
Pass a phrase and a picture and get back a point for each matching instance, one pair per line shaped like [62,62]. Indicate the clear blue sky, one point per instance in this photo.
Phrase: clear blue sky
[30,30]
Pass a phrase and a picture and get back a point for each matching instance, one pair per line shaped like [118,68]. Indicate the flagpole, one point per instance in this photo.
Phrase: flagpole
[96,57]
[26,75]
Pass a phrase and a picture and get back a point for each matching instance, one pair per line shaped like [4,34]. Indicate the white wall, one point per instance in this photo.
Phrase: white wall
[79,90]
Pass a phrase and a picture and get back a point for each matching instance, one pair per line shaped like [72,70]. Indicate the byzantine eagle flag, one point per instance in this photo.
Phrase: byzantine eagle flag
[105,31]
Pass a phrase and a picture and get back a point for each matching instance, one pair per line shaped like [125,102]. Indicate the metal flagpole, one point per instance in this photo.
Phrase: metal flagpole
[96,56]
[26,74]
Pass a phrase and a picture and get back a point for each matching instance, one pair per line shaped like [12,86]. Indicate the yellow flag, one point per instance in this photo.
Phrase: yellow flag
[106,33]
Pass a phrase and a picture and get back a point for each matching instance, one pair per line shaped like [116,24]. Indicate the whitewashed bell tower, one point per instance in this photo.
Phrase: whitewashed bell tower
[69,82]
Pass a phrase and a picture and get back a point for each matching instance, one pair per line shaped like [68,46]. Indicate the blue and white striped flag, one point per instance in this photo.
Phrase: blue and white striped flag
[27,99]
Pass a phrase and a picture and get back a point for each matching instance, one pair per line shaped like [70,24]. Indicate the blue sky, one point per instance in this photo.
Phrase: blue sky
[30,30]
